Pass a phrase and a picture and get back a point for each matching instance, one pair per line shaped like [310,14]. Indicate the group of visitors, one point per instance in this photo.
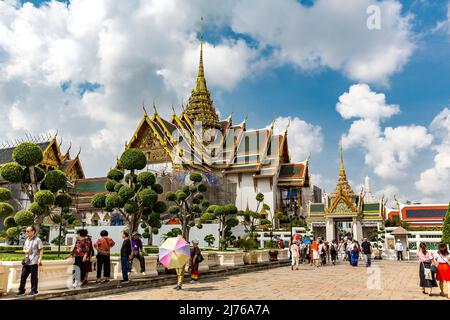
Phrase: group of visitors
[320,252]
[83,251]
[434,268]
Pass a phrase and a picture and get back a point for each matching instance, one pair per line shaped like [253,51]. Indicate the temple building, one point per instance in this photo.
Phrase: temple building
[418,215]
[197,140]
[345,213]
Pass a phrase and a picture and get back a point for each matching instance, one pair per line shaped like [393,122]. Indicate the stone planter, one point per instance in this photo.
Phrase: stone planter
[213,260]
[247,257]
[262,256]
[283,254]
[151,269]
[231,259]
[55,274]
[3,279]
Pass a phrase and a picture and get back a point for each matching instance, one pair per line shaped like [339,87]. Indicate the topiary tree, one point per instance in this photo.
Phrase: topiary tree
[189,203]
[446,227]
[41,187]
[227,220]
[209,239]
[134,196]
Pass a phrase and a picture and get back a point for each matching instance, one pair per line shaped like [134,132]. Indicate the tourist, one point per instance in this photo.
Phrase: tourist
[315,253]
[302,251]
[103,247]
[442,258]
[354,253]
[80,253]
[308,253]
[367,251]
[348,250]
[323,252]
[196,258]
[334,251]
[295,255]
[281,244]
[88,263]
[34,251]
[138,252]
[180,274]
[426,276]
[126,254]
[341,249]
[399,249]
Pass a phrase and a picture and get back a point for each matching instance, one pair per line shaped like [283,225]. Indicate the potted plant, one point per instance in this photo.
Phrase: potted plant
[248,245]
[273,252]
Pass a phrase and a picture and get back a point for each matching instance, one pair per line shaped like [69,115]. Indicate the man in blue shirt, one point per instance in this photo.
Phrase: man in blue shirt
[138,250]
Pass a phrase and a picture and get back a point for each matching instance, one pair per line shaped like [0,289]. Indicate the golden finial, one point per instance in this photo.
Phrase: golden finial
[143,107]
[154,106]
[78,154]
[173,109]
[287,127]
[341,169]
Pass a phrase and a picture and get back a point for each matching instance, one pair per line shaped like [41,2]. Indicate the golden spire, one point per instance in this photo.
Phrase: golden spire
[342,186]
[200,106]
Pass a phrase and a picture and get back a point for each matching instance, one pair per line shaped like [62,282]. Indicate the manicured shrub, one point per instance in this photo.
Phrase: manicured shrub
[160,207]
[112,201]
[63,200]
[13,232]
[171,196]
[131,207]
[9,222]
[44,197]
[174,209]
[133,159]
[157,188]
[126,193]
[115,174]
[37,209]
[202,188]
[146,179]
[117,187]
[131,177]
[11,172]
[195,177]
[446,227]
[98,201]
[147,197]
[5,194]
[24,218]
[181,196]
[110,184]
[155,231]
[27,154]
[55,180]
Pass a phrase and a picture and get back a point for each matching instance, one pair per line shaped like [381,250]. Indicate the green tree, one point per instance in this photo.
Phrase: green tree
[134,196]
[209,239]
[446,227]
[44,189]
[226,215]
[188,203]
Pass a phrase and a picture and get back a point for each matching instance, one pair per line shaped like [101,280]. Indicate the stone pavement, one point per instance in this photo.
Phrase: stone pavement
[398,281]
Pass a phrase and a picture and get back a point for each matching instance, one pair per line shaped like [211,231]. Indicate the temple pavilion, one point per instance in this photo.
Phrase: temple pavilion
[197,140]
[345,213]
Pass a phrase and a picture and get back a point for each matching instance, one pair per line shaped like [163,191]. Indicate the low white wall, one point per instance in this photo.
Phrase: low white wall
[195,233]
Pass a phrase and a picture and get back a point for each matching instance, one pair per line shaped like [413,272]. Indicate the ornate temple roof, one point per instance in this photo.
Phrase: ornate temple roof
[200,106]
[342,186]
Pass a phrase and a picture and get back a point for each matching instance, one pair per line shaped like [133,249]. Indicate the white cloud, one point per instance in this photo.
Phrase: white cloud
[332,34]
[122,46]
[387,151]
[304,138]
[435,181]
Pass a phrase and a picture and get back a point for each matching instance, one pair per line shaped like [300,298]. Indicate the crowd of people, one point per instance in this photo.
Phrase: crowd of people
[84,249]
[434,268]
[321,252]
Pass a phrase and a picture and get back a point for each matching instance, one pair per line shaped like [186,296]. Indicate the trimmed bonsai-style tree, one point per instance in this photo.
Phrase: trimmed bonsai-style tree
[44,189]
[209,239]
[226,215]
[189,204]
[134,196]
[446,227]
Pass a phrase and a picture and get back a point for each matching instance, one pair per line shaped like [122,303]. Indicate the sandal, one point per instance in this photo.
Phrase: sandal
[105,281]
[442,294]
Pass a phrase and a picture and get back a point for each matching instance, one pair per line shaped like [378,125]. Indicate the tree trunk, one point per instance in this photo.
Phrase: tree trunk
[33,179]
[222,226]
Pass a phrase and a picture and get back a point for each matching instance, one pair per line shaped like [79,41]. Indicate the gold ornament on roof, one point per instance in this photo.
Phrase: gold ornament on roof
[200,106]
[342,186]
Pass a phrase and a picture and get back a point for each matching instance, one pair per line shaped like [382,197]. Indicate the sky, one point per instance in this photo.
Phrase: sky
[374,73]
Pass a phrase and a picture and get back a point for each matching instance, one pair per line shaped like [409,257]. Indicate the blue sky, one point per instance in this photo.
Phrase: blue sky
[270,77]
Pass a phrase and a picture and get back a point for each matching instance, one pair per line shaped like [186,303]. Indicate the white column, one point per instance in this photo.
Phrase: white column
[357,230]
[329,226]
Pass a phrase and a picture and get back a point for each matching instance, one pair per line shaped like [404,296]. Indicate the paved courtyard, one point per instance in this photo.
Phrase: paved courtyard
[398,280]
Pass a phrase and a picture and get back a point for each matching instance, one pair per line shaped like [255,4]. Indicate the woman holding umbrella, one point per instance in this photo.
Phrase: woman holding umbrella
[174,253]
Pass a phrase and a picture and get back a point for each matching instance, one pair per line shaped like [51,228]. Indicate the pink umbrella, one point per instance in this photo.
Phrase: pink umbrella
[174,253]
